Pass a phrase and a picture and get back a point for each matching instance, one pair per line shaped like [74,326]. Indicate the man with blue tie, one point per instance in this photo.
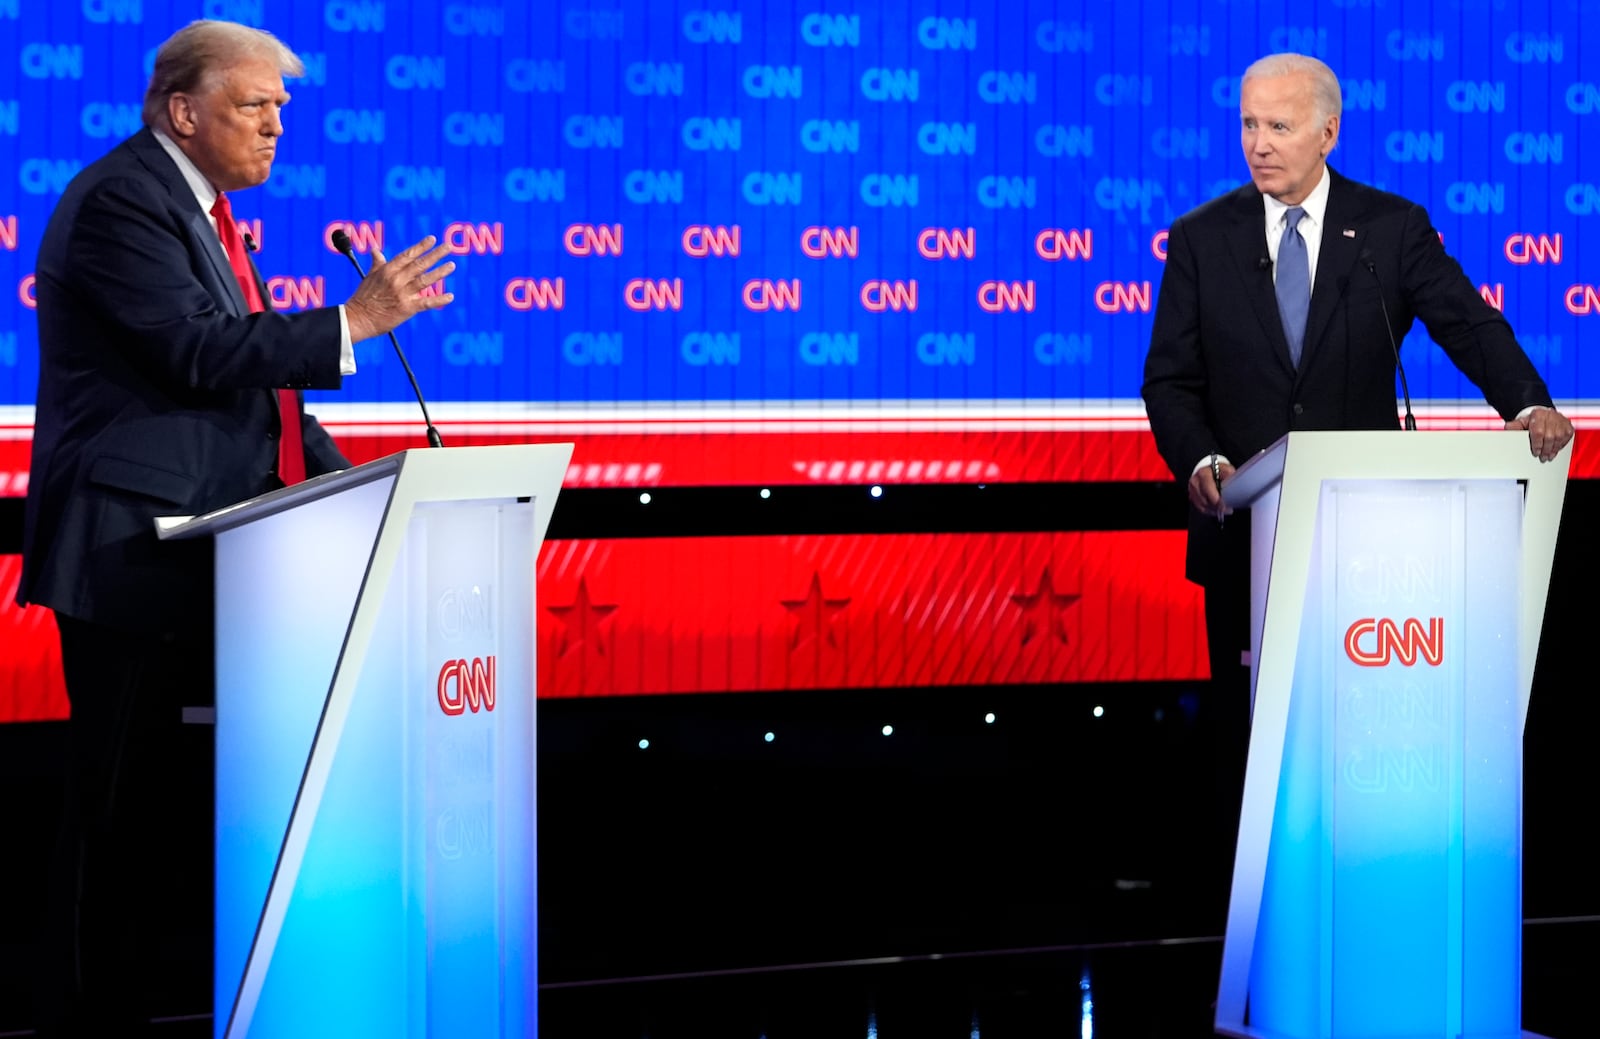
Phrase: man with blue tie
[1275,314]
[166,386]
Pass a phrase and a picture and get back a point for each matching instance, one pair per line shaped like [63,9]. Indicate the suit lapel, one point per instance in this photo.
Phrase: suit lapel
[1336,259]
[1247,240]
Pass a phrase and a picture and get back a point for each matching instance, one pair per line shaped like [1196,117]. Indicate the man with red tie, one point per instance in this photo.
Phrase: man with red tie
[166,386]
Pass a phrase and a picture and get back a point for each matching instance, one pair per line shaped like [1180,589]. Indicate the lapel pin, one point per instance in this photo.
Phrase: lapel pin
[1349,232]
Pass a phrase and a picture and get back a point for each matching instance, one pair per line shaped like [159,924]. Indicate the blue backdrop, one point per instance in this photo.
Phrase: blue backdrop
[932,201]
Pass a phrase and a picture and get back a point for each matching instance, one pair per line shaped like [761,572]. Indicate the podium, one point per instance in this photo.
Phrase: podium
[375,747]
[1399,584]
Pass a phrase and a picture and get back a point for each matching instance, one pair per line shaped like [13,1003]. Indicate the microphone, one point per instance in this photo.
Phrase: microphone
[1264,264]
[250,242]
[341,241]
[1372,266]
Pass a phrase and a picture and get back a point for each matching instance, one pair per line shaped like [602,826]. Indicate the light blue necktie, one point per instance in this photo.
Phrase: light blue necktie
[1294,283]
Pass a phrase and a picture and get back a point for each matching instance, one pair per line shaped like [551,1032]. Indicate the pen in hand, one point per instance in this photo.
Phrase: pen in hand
[1216,475]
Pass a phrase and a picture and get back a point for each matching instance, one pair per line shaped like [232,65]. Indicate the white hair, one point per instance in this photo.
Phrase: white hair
[1324,84]
[203,48]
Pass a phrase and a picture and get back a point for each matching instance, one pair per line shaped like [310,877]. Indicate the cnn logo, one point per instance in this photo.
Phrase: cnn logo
[1389,640]
[466,685]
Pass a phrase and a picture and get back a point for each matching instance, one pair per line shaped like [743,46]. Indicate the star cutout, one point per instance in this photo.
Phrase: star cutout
[814,613]
[580,621]
[1041,608]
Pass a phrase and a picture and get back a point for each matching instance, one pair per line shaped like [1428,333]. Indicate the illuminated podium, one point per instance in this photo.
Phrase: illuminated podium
[1399,587]
[375,789]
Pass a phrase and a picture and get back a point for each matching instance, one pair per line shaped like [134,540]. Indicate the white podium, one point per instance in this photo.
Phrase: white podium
[375,782]
[1399,588]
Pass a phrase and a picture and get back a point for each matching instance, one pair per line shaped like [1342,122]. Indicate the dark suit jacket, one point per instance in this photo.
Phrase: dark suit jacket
[155,394]
[1218,376]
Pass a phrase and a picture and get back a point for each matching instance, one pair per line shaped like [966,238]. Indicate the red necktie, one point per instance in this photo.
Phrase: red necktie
[291,450]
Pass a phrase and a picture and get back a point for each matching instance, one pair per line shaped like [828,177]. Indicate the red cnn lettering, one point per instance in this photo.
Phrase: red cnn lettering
[1583,300]
[438,288]
[822,242]
[1527,248]
[594,240]
[889,295]
[364,237]
[466,685]
[295,293]
[761,294]
[1494,295]
[536,293]
[704,240]
[1055,244]
[8,233]
[25,292]
[644,294]
[486,239]
[1391,643]
[939,243]
[1116,297]
[1158,246]
[995,296]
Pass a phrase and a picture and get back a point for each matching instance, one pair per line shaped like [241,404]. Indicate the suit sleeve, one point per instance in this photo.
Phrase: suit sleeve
[131,258]
[1476,336]
[1175,381]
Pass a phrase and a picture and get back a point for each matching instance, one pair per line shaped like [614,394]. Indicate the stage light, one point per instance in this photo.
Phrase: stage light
[1099,712]
[644,744]
[988,719]
[644,499]
[769,737]
[876,492]
[766,492]
[888,730]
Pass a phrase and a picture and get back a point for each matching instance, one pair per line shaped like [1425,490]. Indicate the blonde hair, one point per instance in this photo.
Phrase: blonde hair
[203,48]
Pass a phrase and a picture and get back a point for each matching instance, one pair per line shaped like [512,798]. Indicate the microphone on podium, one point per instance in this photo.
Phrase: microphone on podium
[1371,265]
[341,241]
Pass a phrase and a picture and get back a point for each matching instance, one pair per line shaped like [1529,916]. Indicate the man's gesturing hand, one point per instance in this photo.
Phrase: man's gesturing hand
[392,291]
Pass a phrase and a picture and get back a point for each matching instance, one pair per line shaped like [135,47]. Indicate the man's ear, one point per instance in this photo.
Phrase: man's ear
[181,115]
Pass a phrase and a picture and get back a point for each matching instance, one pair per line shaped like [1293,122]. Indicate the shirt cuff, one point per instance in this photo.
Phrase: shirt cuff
[347,349]
[1205,463]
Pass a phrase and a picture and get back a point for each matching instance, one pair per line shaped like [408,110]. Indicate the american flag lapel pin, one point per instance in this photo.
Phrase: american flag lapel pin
[1349,232]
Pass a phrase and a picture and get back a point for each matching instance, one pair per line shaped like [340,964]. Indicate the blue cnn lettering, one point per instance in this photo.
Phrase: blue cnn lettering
[653,187]
[11,10]
[1056,142]
[1301,40]
[772,189]
[52,61]
[101,119]
[1403,45]
[526,76]
[649,78]
[1465,96]
[414,183]
[1055,349]
[1064,37]
[1225,92]
[713,27]
[47,176]
[8,118]
[1125,195]
[410,72]
[1406,146]
[1007,192]
[593,131]
[536,185]
[1114,89]
[117,12]
[824,135]
[1189,41]
[316,66]
[353,126]
[948,34]
[1366,95]
[1535,48]
[773,81]
[940,349]
[948,138]
[1468,198]
[1008,88]
[1582,199]
[831,30]
[719,135]
[297,181]
[829,348]
[1542,148]
[710,348]
[468,20]
[889,84]
[881,189]
[593,25]
[480,349]
[1184,143]
[1541,349]
[245,12]
[475,129]
[592,348]
[353,15]
[1583,99]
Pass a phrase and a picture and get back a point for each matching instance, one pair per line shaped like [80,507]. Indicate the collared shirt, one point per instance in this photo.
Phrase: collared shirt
[206,195]
[1311,224]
